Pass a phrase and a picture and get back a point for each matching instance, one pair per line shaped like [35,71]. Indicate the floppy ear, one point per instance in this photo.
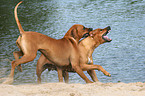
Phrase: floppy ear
[74,33]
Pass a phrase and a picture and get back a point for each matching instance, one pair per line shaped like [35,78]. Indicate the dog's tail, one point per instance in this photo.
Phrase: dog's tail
[17,20]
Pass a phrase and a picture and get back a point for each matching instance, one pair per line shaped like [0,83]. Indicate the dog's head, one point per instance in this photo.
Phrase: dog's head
[78,31]
[100,35]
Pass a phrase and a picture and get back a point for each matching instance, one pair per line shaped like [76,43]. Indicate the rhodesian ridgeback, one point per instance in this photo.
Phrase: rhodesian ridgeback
[61,52]
[86,49]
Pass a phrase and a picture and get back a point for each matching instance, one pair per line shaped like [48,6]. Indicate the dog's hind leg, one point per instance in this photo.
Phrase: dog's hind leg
[26,58]
[17,54]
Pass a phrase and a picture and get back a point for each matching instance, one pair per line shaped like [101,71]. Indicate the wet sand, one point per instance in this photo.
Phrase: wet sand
[63,89]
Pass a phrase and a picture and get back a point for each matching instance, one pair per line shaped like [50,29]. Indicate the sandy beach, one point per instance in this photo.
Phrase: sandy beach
[63,89]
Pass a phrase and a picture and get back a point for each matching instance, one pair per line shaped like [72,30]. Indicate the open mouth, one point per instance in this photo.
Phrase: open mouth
[106,38]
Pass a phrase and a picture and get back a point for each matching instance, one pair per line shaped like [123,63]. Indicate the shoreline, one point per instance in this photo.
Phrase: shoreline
[63,89]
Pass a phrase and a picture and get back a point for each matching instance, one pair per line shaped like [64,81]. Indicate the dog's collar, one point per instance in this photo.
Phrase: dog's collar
[81,39]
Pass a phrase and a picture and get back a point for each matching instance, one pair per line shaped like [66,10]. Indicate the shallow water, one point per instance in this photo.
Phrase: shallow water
[123,58]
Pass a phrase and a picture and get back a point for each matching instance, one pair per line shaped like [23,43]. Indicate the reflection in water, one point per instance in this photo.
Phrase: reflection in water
[123,57]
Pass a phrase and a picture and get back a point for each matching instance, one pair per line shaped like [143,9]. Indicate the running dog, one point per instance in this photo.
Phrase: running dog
[61,52]
[86,49]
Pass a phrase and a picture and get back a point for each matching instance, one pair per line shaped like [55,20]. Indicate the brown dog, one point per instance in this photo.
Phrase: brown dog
[61,52]
[86,47]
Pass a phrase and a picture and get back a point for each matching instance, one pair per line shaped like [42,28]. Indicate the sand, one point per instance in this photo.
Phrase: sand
[63,89]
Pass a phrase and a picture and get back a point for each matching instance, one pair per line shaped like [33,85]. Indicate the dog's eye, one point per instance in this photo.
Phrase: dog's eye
[101,30]
[84,28]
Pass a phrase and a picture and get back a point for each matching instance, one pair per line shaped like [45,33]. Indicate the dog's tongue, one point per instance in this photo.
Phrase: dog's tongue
[106,37]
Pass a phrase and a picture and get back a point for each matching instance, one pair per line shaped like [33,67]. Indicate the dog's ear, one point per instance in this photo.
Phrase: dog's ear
[74,33]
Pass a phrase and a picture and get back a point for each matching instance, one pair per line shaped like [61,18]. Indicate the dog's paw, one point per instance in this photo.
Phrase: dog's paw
[107,74]
[8,81]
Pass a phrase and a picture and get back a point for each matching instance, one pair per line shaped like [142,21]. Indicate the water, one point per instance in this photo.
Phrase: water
[123,58]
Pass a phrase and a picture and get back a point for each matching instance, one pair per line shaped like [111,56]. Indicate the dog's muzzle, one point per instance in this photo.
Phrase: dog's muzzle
[106,38]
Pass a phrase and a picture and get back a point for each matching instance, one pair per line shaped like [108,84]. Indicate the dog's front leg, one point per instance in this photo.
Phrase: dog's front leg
[81,73]
[65,76]
[86,67]
[60,77]
[40,67]
[92,73]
